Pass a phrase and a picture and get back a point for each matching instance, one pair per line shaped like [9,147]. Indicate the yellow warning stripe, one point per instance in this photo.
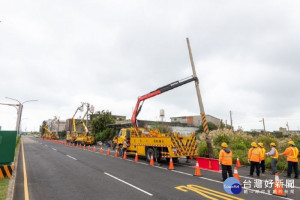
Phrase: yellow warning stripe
[204,123]
[6,171]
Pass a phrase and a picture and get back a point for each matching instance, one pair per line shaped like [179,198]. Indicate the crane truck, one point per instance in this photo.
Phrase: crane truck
[49,134]
[153,143]
[71,137]
[85,138]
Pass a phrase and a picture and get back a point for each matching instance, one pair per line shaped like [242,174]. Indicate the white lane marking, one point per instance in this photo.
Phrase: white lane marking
[54,149]
[160,167]
[142,163]
[128,184]
[182,172]
[244,188]
[71,157]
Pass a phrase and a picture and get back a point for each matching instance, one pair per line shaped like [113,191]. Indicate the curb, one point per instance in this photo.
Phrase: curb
[12,180]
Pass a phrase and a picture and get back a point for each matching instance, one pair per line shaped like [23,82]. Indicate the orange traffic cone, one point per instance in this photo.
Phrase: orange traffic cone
[74,145]
[84,147]
[238,164]
[108,152]
[197,170]
[171,166]
[94,149]
[125,155]
[116,153]
[136,159]
[89,148]
[101,151]
[152,161]
[80,146]
[236,175]
[277,187]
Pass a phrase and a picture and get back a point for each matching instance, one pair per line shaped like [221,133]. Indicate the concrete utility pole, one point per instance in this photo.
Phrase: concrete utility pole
[231,120]
[20,110]
[203,117]
[263,120]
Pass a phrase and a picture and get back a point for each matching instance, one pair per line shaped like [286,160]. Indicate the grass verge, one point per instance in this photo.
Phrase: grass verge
[3,188]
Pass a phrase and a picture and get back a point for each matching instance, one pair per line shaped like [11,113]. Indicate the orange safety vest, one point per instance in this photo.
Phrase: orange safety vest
[263,152]
[225,158]
[276,154]
[254,154]
[292,154]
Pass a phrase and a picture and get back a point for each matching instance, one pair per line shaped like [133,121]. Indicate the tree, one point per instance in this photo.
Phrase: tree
[100,121]
[105,135]
[42,130]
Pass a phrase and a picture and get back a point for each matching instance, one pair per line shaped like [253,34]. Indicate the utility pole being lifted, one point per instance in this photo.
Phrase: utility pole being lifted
[203,117]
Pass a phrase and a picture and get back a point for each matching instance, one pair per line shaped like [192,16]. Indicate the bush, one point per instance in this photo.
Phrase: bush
[267,141]
[240,146]
[281,165]
[202,149]
[217,141]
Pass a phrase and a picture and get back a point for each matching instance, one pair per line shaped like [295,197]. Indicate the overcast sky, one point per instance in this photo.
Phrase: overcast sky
[107,53]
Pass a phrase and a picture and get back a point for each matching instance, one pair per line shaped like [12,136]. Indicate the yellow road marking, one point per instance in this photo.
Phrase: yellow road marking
[199,192]
[26,194]
[204,191]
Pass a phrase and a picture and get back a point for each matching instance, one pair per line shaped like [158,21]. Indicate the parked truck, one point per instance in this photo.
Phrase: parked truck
[159,145]
[85,138]
[71,136]
[49,134]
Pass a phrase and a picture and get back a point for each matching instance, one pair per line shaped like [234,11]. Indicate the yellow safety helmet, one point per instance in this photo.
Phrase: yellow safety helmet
[261,144]
[292,143]
[273,144]
[224,144]
[253,144]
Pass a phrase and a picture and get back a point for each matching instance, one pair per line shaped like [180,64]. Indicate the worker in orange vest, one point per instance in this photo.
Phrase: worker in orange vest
[225,160]
[292,153]
[262,162]
[254,157]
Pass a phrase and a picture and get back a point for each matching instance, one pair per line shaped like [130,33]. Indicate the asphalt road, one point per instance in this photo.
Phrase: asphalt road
[56,171]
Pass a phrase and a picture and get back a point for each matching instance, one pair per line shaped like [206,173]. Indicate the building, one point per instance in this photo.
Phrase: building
[56,125]
[284,131]
[195,120]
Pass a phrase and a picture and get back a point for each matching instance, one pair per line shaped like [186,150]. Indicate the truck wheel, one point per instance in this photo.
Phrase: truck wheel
[150,152]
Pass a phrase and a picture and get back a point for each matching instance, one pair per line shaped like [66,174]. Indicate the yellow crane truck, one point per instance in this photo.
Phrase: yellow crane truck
[49,134]
[85,138]
[160,145]
[71,137]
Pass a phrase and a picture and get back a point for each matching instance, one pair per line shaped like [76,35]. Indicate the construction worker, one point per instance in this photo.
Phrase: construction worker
[274,155]
[254,157]
[126,144]
[262,162]
[292,153]
[115,142]
[225,160]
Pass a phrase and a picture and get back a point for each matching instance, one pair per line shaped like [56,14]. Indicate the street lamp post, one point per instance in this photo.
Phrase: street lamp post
[20,105]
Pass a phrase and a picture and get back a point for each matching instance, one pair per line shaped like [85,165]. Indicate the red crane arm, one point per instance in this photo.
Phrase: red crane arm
[158,91]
